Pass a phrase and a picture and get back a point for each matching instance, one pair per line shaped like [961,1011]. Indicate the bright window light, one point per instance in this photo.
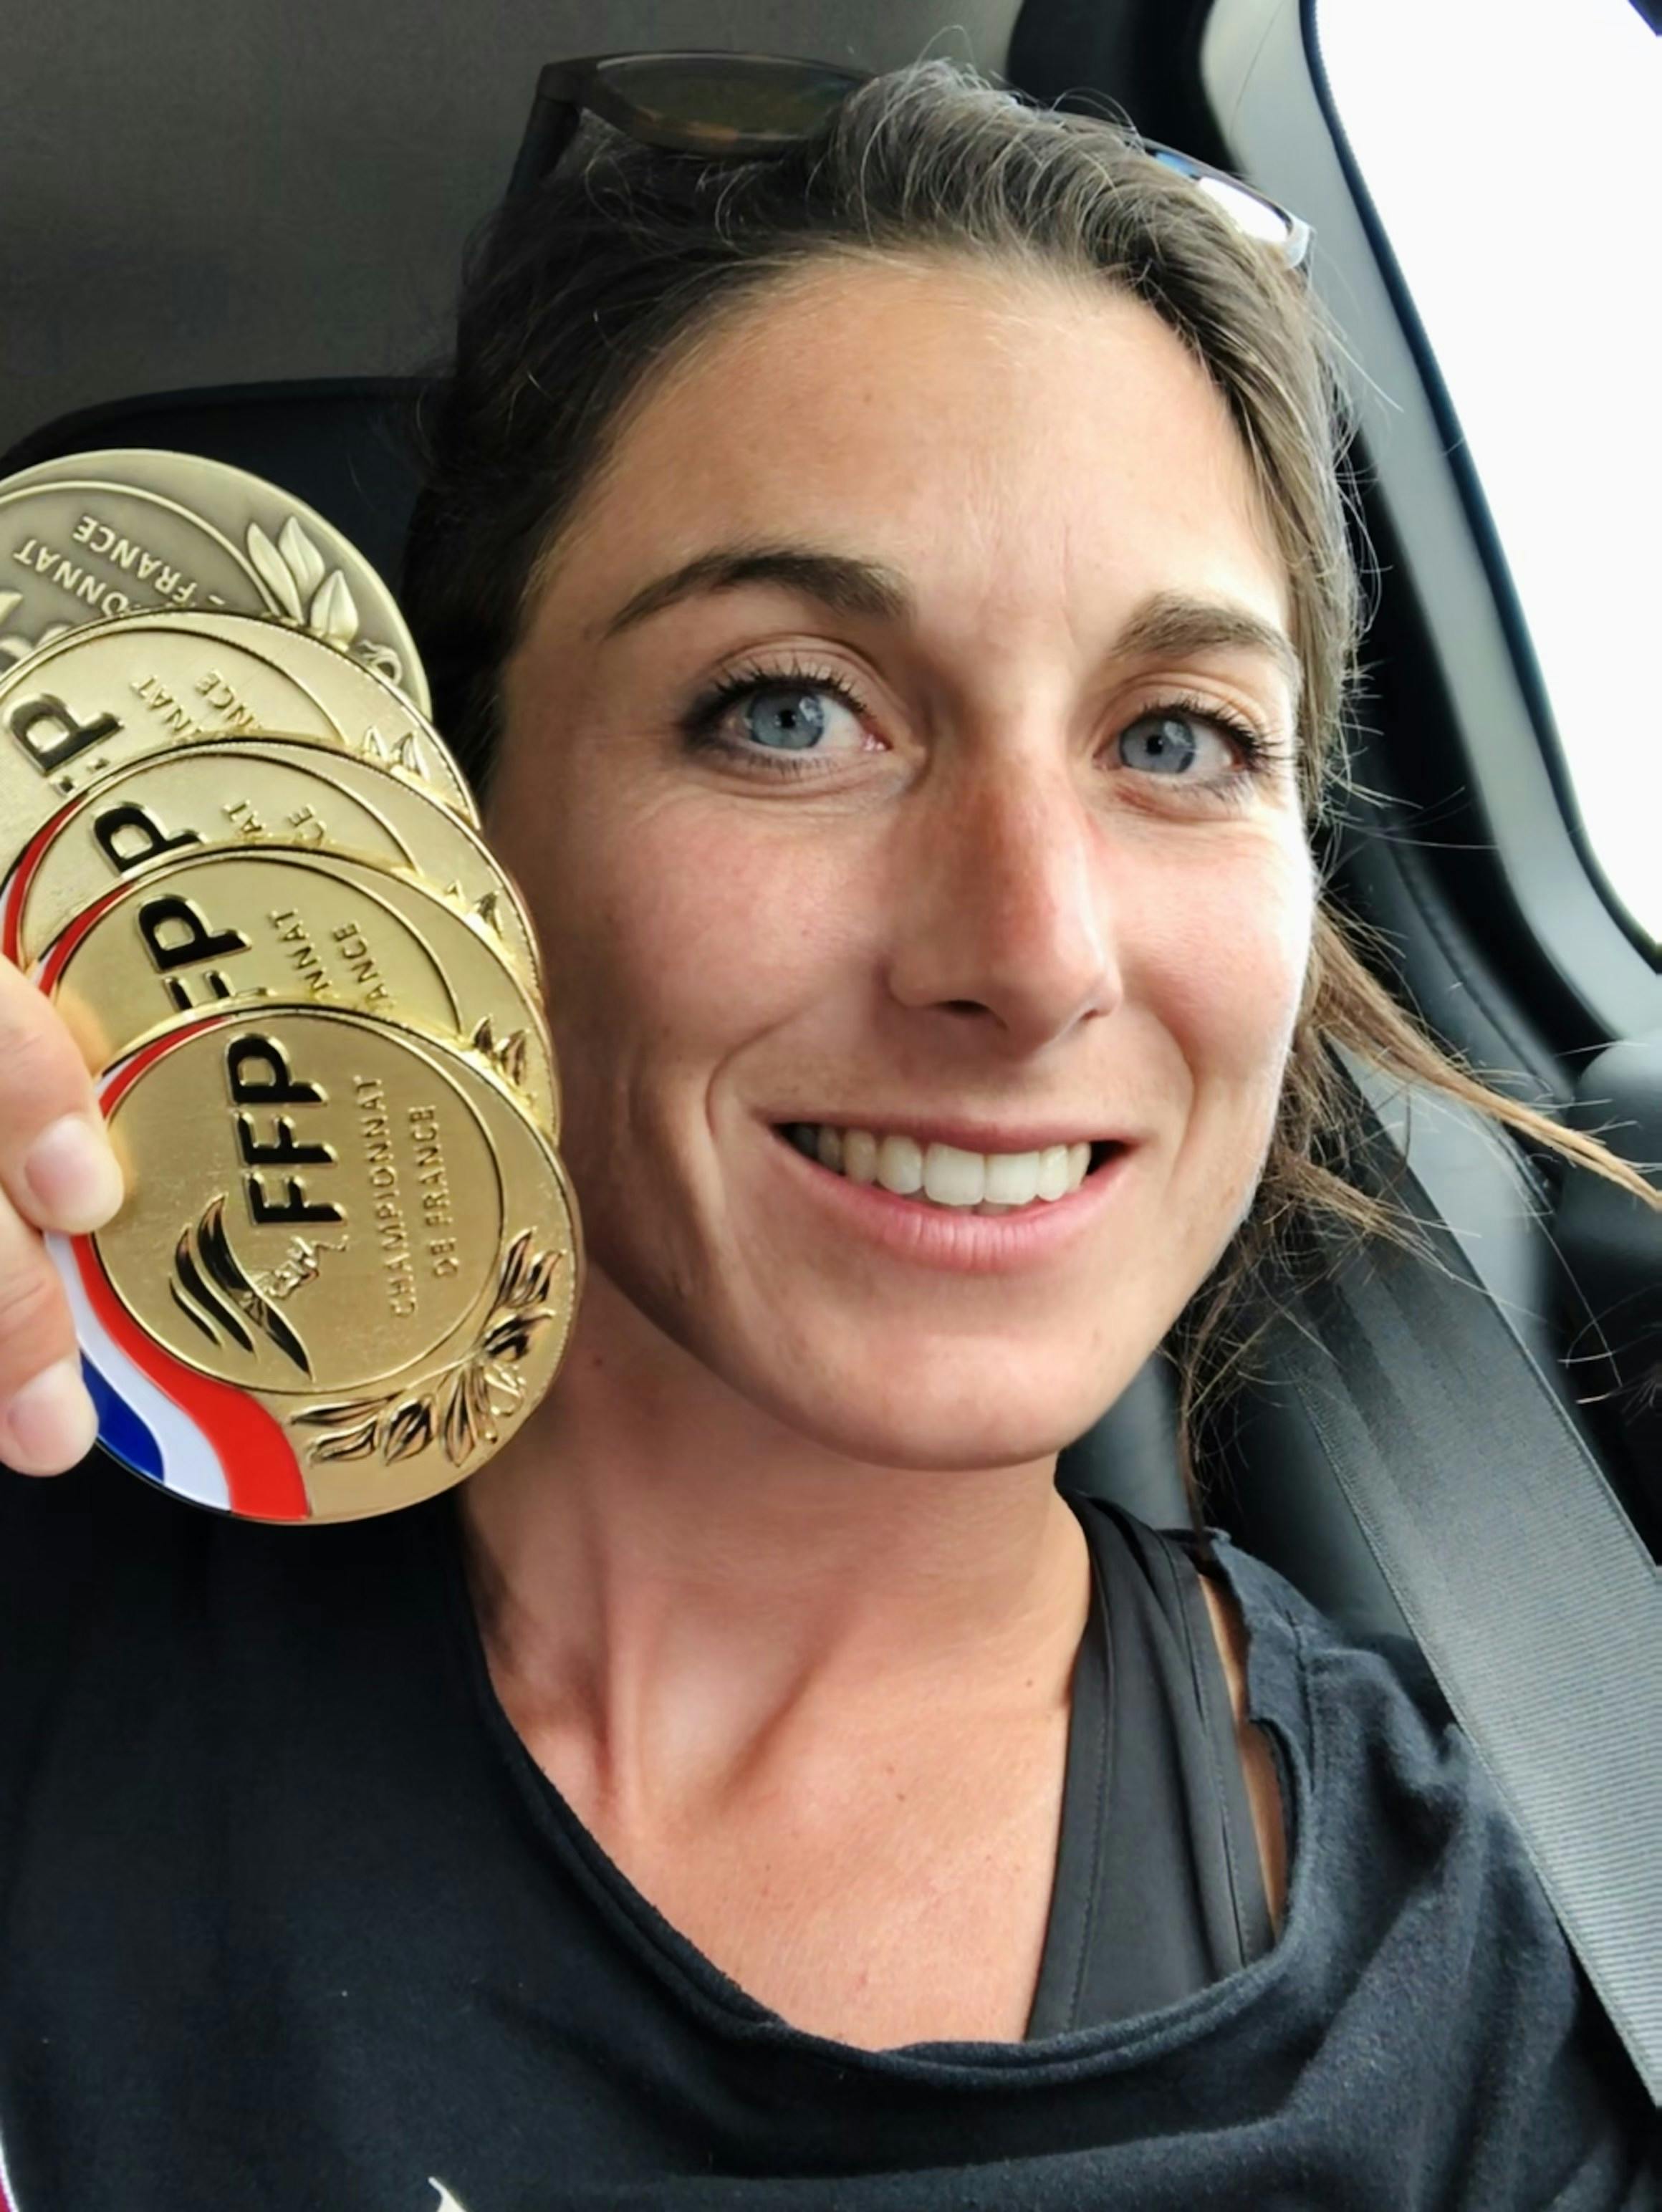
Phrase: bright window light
[1511,148]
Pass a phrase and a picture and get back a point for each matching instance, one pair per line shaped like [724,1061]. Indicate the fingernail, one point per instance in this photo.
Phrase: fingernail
[50,1423]
[72,1172]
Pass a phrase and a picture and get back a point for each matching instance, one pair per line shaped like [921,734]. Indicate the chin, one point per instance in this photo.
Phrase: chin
[957,1411]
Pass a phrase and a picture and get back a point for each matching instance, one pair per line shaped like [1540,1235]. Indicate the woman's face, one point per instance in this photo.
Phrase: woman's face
[970,857]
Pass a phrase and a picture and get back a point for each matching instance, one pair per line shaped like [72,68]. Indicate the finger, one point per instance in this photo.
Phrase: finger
[56,1163]
[47,1419]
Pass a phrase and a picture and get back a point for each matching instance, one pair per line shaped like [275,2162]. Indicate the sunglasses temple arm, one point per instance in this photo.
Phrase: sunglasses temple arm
[552,127]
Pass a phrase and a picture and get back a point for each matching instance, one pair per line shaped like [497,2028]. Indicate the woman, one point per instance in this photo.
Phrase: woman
[895,595]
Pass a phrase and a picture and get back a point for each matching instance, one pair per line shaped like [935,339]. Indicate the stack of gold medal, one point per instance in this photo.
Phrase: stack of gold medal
[244,866]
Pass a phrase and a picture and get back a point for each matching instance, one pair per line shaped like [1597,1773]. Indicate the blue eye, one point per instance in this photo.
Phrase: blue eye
[784,718]
[1160,745]
[773,716]
[1189,744]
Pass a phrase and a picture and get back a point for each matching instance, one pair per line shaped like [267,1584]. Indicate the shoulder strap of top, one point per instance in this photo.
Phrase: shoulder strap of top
[1158,1889]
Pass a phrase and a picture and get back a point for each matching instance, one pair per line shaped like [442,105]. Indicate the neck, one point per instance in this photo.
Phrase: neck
[669,1576]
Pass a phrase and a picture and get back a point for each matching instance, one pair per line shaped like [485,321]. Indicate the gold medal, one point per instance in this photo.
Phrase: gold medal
[94,535]
[116,690]
[343,1273]
[255,791]
[184,935]
[380,722]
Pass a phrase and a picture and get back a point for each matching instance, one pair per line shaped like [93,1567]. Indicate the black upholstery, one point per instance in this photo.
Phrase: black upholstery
[341,445]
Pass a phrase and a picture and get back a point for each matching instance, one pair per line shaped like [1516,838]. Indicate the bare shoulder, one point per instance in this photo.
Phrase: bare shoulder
[1263,1788]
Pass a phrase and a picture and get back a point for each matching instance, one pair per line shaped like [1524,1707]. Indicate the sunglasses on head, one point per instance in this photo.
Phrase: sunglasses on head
[717,104]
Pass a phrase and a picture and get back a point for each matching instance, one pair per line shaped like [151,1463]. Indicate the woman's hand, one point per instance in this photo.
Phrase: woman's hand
[56,1171]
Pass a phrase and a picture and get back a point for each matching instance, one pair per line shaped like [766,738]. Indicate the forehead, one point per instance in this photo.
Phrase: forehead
[1018,444]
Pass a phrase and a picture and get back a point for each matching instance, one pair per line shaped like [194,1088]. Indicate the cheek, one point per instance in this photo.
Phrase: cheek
[1224,977]
[669,944]
[1238,981]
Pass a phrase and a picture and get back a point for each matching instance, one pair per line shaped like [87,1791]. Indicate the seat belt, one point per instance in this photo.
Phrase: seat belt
[1531,1596]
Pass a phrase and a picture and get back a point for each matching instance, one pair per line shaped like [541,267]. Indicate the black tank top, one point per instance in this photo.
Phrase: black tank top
[1159,1890]
[289,1917]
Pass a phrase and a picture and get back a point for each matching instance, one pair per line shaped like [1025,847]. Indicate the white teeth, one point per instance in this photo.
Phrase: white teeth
[860,1155]
[988,1182]
[954,1178]
[900,1165]
[1013,1178]
[1053,1172]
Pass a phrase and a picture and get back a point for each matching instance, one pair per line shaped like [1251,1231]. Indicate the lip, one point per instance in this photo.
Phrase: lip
[940,1237]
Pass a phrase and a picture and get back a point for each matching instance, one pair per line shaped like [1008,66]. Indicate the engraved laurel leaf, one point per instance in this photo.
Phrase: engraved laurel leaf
[461,1409]
[347,1444]
[343,1415]
[460,1437]
[509,1055]
[334,612]
[516,1270]
[511,1339]
[273,572]
[300,557]
[527,1277]
[383,660]
[479,1393]
[504,1379]
[8,601]
[410,1430]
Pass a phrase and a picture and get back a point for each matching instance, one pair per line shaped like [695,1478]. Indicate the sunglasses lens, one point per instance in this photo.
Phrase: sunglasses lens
[719,101]
[1252,214]
[1245,209]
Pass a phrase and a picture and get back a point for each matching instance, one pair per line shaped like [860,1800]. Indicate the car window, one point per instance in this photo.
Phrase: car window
[1509,151]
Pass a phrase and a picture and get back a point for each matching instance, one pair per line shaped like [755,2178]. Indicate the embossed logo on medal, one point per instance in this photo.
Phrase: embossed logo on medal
[372,1256]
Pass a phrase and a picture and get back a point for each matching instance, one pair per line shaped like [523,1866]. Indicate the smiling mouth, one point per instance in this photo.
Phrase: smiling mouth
[943,1176]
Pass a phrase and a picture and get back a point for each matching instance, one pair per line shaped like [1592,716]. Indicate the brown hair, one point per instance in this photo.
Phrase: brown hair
[582,291]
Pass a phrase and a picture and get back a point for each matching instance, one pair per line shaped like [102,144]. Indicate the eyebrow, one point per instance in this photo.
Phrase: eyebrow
[1169,625]
[1166,625]
[840,581]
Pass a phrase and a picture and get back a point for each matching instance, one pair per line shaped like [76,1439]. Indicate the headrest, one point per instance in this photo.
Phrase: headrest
[342,444]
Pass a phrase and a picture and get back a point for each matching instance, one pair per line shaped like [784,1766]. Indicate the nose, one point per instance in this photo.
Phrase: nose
[1006,913]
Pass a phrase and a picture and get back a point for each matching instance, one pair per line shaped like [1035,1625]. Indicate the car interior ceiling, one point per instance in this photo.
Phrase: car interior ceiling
[1569,1266]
